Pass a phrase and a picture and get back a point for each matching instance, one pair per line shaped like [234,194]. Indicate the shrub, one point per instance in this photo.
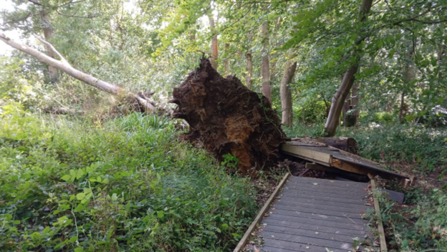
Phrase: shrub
[383,117]
[314,112]
[124,185]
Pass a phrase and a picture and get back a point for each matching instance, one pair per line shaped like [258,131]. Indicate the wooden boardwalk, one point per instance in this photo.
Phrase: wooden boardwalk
[316,215]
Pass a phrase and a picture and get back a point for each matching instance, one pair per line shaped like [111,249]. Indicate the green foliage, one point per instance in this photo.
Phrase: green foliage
[230,161]
[418,227]
[303,130]
[383,117]
[314,112]
[401,143]
[124,185]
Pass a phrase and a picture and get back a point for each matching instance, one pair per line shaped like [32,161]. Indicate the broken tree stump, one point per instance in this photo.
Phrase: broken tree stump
[226,117]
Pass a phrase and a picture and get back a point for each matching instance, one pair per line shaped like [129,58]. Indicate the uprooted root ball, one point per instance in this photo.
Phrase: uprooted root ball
[226,117]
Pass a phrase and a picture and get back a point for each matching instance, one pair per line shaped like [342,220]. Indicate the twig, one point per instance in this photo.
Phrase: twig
[35,2]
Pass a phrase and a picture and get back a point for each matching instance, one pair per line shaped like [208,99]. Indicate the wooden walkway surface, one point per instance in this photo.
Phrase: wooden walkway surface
[316,215]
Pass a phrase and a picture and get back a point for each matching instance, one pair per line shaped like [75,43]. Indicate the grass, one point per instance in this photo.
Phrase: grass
[124,185]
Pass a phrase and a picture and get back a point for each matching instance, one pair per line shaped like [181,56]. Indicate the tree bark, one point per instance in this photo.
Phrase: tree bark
[348,79]
[227,61]
[214,44]
[249,69]
[53,75]
[350,118]
[265,69]
[68,69]
[286,93]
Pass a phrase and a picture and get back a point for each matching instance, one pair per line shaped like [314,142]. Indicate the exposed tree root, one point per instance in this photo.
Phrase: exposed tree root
[226,117]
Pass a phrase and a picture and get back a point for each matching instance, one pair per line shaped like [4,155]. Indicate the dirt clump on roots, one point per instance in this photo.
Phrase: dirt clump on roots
[225,117]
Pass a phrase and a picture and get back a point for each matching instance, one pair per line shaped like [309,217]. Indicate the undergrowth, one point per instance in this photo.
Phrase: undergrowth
[126,184]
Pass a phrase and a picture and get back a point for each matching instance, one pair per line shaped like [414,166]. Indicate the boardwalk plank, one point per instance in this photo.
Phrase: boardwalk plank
[303,206]
[331,244]
[292,211]
[323,216]
[315,234]
[298,247]
[314,214]
[322,203]
[315,228]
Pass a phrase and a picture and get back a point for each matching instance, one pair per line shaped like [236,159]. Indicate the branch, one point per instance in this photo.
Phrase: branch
[74,16]
[84,77]
[35,2]
[52,49]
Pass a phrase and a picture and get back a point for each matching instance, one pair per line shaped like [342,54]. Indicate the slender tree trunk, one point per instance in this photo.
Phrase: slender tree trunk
[409,74]
[53,75]
[214,44]
[227,60]
[402,107]
[249,64]
[348,79]
[350,118]
[355,103]
[286,93]
[68,69]
[265,69]
[346,107]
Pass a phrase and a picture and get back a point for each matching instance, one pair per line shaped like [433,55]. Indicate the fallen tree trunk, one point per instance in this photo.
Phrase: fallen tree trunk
[226,117]
[64,66]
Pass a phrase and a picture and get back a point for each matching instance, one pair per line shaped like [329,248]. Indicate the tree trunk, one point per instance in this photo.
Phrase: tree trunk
[355,103]
[350,117]
[409,74]
[402,107]
[227,60]
[286,94]
[214,44]
[68,69]
[53,75]
[348,79]
[266,88]
[249,69]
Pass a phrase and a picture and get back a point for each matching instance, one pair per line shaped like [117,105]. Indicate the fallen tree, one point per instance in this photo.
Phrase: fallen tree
[64,66]
[226,117]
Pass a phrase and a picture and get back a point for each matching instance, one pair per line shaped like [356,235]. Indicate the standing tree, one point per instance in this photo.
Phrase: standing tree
[266,88]
[349,77]
[286,93]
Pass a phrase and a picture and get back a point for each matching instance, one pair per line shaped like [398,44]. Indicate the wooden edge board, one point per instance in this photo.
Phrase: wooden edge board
[260,215]
[321,157]
[382,239]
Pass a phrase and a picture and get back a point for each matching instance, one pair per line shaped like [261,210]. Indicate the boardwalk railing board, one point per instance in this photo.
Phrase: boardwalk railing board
[381,230]
[260,215]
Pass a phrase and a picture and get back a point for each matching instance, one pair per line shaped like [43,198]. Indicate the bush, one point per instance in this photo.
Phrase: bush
[383,117]
[314,112]
[124,185]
